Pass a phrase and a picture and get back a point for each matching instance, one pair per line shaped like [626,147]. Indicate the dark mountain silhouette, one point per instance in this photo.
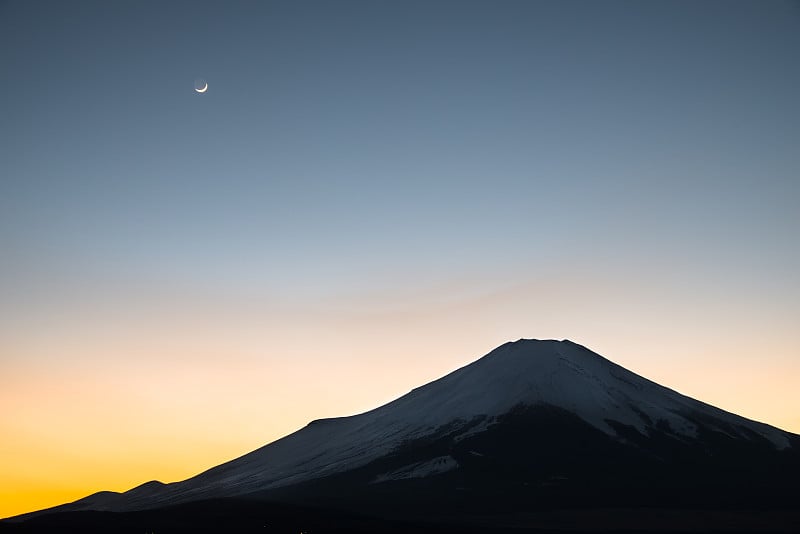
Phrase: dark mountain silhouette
[536,434]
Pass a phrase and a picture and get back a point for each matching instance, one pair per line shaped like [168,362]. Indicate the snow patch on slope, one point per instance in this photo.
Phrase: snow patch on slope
[434,466]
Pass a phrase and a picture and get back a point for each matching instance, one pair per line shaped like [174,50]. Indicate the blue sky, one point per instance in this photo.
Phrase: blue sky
[398,136]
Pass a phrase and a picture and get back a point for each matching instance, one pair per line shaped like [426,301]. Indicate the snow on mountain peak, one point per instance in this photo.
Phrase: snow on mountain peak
[562,374]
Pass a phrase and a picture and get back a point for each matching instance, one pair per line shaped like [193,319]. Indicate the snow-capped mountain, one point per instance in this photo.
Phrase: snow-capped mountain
[549,417]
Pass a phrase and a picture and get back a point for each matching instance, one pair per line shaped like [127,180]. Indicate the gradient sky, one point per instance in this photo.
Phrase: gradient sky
[370,195]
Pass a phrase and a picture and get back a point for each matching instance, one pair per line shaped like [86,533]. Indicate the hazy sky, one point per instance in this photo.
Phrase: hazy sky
[370,195]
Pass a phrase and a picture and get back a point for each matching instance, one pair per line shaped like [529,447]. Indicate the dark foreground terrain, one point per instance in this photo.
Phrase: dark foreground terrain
[242,515]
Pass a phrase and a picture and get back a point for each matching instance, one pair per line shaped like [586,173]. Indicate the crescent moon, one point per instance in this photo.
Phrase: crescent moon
[203,90]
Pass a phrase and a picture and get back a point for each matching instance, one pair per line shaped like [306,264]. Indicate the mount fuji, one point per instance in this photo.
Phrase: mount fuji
[530,427]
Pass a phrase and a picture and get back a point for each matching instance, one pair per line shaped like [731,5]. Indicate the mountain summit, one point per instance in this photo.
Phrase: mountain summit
[531,422]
